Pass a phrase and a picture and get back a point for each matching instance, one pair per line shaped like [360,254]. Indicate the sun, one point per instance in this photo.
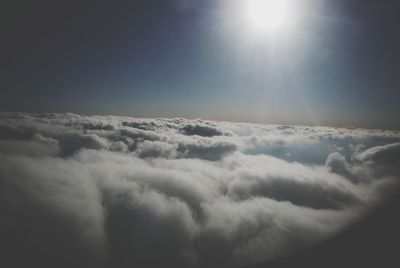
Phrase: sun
[267,14]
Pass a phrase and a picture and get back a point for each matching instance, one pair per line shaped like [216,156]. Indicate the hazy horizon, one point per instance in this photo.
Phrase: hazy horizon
[220,119]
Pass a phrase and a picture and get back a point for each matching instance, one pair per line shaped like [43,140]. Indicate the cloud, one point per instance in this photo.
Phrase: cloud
[36,146]
[51,214]
[201,130]
[336,163]
[105,191]
[387,155]
[301,185]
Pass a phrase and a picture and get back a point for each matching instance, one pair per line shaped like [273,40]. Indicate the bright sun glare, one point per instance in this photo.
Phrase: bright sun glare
[267,14]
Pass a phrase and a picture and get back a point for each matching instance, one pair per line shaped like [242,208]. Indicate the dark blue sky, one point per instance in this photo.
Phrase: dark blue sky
[339,64]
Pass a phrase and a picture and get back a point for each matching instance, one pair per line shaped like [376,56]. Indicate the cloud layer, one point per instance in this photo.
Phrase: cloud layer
[79,191]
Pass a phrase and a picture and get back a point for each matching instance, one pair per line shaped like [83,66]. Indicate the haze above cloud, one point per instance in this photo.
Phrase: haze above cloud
[99,191]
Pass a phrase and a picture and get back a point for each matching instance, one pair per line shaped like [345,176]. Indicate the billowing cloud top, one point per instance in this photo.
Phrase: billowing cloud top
[79,191]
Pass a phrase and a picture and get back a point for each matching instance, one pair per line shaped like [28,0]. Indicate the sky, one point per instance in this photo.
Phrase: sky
[337,64]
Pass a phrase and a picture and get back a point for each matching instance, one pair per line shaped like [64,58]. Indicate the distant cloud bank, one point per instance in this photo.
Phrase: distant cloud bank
[106,191]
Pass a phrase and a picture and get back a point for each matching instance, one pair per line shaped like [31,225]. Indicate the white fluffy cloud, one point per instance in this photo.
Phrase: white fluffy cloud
[78,191]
